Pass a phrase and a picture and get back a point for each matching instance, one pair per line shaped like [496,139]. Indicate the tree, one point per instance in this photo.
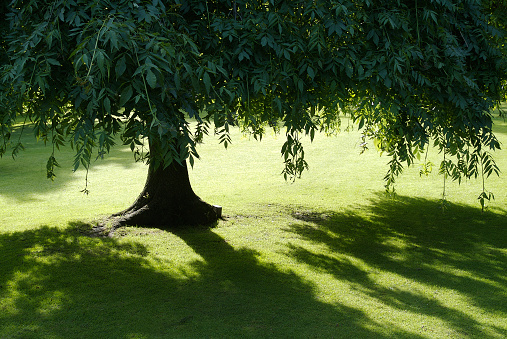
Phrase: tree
[407,72]
[498,19]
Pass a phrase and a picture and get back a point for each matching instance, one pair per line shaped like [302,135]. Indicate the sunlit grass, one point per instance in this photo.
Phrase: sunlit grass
[328,256]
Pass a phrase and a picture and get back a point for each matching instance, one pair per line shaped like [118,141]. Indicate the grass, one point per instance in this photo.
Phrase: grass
[329,256]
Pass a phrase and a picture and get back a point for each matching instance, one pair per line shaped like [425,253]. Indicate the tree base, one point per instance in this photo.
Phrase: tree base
[167,214]
[167,202]
[200,214]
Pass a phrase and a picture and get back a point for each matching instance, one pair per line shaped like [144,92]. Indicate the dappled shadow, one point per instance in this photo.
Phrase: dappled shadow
[461,252]
[59,283]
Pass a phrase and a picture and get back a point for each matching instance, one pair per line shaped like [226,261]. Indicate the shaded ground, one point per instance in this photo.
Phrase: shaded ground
[461,252]
[60,284]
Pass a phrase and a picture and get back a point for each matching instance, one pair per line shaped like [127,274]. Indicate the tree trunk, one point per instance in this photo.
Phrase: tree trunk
[167,201]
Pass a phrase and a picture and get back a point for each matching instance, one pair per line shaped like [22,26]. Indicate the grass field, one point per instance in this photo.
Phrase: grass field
[329,256]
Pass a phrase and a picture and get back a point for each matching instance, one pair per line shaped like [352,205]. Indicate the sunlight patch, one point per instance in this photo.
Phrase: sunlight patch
[52,303]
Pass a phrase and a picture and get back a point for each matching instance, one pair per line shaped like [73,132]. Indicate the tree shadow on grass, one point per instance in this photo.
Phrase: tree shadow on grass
[461,253]
[59,283]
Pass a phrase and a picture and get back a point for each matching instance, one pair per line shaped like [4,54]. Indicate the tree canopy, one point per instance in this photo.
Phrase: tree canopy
[410,73]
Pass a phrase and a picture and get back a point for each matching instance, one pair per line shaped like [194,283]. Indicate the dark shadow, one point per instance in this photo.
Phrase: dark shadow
[59,283]
[461,250]
[24,178]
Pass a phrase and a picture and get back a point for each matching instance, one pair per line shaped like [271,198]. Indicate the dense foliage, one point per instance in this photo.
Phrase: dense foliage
[410,73]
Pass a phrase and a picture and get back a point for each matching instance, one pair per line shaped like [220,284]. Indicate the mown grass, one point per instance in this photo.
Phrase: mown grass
[329,256]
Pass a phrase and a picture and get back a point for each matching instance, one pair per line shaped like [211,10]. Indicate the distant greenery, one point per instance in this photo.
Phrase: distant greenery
[329,256]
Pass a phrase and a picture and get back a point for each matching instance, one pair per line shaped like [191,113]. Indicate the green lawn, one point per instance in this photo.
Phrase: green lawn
[329,256]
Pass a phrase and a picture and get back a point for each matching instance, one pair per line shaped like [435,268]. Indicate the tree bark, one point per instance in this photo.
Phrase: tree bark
[167,201]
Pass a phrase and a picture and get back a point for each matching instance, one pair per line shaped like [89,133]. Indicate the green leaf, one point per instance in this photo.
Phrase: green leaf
[125,95]
[53,62]
[286,54]
[360,71]
[310,72]
[207,81]
[387,82]
[100,61]
[107,105]
[243,55]
[349,70]
[121,66]
[300,85]
[151,78]
[177,82]
[361,123]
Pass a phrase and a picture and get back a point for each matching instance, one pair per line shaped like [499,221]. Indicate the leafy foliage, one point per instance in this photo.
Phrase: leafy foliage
[407,72]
